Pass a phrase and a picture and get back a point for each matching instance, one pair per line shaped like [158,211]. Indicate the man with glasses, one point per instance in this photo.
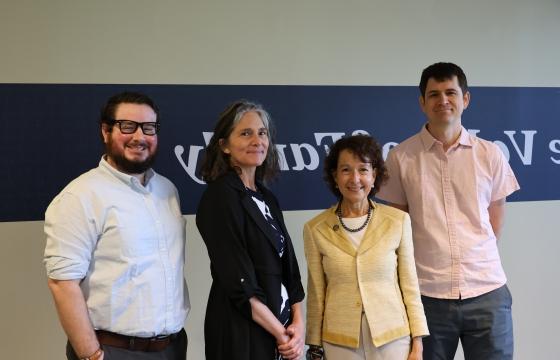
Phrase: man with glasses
[115,246]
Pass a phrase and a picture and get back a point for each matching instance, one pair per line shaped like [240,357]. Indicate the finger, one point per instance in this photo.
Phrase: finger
[288,352]
[297,355]
[293,353]
[286,348]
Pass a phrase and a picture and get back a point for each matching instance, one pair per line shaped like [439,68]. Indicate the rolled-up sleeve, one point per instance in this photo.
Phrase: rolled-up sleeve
[220,221]
[393,191]
[503,179]
[71,238]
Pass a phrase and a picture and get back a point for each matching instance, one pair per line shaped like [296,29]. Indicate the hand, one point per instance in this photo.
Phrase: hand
[282,340]
[293,349]
[417,348]
[414,355]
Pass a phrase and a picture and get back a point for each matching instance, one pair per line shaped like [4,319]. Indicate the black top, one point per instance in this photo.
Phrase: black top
[244,262]
[258,198]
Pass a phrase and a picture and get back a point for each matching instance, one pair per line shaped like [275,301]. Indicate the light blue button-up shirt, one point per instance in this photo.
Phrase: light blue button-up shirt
[126,241]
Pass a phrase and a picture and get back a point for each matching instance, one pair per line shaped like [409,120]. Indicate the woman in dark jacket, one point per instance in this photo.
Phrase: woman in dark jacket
[254,306]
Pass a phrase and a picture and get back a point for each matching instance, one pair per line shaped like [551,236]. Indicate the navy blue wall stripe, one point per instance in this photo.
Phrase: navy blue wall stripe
[50,135]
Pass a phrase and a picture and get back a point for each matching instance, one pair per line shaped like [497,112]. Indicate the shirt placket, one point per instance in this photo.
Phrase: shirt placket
[449,202]
[163,250]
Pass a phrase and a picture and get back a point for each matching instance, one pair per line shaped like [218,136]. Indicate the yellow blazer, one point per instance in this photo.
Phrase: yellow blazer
[378,278]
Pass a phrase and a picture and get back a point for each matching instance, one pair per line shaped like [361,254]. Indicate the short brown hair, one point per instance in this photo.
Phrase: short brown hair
[442,71]
[367,149]
[126,97]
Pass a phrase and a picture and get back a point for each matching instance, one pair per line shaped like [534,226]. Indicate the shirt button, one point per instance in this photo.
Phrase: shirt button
[242,280]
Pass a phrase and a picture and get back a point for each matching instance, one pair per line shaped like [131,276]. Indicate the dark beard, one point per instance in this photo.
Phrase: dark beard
[132,167]
[127,166]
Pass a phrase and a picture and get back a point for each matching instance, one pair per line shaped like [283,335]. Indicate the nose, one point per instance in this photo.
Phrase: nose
[443,98]
[355,175]
[256,140]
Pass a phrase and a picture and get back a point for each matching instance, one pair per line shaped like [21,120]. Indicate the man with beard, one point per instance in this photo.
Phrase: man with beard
[115,247]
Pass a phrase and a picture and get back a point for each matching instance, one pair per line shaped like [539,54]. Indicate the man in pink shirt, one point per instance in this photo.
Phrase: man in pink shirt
[454,186]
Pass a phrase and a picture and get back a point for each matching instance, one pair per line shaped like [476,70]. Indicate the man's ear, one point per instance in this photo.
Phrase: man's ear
[106,132]
[422,103]
[466,99]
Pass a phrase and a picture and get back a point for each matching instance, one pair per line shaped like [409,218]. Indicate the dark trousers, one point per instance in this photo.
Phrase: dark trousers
[177,350]
[483,324]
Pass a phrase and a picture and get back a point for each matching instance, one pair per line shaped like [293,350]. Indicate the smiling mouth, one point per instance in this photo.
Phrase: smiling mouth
[137,146]
[355,189]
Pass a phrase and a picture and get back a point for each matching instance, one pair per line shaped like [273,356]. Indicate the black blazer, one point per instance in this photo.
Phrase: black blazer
[244,263]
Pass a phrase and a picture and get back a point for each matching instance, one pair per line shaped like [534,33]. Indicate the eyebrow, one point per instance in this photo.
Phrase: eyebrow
[359,164]
[251,129]
[439,91]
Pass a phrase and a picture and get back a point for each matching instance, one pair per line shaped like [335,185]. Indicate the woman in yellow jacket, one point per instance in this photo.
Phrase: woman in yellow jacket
[363,297]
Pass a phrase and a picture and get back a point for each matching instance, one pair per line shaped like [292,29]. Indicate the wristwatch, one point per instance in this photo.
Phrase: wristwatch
[314,352]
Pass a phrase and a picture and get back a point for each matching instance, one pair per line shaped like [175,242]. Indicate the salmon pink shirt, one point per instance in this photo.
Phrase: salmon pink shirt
[448,194]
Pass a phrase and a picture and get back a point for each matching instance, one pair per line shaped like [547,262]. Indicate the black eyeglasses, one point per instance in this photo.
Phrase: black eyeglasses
[130,127]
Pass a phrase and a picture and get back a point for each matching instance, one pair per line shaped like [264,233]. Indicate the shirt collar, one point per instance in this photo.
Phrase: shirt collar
[428,140]
[126,178]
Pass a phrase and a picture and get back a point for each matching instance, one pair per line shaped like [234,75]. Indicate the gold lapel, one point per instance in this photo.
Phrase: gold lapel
[334,233]
[374,232]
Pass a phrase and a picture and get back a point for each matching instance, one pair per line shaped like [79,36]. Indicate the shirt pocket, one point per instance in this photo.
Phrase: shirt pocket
[137,241]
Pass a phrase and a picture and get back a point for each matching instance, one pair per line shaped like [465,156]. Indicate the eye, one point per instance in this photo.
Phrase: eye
[364,170]
[263,132]
[127,126]
[245,133]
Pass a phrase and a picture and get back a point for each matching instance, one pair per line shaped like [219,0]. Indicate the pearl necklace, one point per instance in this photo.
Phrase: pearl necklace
[339,215]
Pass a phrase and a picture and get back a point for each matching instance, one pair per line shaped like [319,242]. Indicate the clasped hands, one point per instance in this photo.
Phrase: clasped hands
[291,344]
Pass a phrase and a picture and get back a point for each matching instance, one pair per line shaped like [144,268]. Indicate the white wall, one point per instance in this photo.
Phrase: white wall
[323,42]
